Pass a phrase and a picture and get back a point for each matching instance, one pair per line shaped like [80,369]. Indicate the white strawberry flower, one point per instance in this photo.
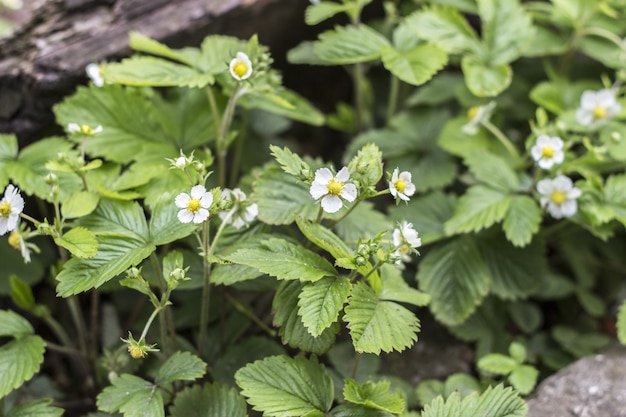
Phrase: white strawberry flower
[548,151]
[243,213]
[400,185]
[559,196]
[85,130]
[597,107]
[331,188]
[11,205]
[94,74]
[240,67]
[195,205]
[405,240]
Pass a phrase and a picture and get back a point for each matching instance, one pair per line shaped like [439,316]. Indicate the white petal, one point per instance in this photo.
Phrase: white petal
[98,129]
[410,189]
[251,212]
[536,152]
[545,163]
[558,157]
[343,175]
[392,189]
[12,222]
[318,190]
[394,176]
[605,98]
[3,225]
[206,200]
[197,191]
[201,215]
[239,195]
[555,211]
[405,176]
[397,237]
[73,128]
[588,100]
[323,175]
[569,208]
[403,197]
[562,183]
[545,187]
[349,192]
[331,204]
[182,200]
[584,117]
[185,216]
[574,193]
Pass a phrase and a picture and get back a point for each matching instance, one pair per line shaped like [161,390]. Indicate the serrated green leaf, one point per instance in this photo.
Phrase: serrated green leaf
[375,395]
[133,397]
[209,400]
[284,102]
[217,51]
[515,272]
[317,13]
[36,408]
[377,325]
[281,198]
[292,331]
[79,241]
[395,288]
[621,324]
[281,386]
[495,402]
[320,303]
[427,390]
[350,45]
[142,43]
[8,152]
[485,80]
[524,379]
[123,241]
[12,324]
[324,238]
[443,26]
[507,30]
[526,315]
[147,71]
[462,383]
[20,359]
[450,407]
[180,366]
[522,220]
[497,363]
[290,162]
[231,274]
[284,260]
[79,204]
[164,224]
[415,66]
[456,277]
[484,164]
[354,410]
[479,208]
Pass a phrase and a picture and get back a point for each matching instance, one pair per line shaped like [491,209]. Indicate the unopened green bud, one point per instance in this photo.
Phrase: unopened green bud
[133,272]
[51,178]
[45,229]
[360,260]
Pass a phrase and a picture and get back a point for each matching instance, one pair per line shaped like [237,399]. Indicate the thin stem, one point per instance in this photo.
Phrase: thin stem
[352,207]
[355,366]
[236,162]
[79,322]
[223,132]
[93,334]
[374,269]
[500,136]
[149,322]
[162,316]
[394,87]
[30,219]
[214,112]
[71,352]
[603,33]
[58,330]
[243,310]
[206,289]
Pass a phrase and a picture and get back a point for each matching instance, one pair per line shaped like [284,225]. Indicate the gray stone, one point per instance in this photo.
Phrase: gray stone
[594,386]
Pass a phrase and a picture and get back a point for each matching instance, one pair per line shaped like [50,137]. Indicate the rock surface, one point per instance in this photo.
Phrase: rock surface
[594,386]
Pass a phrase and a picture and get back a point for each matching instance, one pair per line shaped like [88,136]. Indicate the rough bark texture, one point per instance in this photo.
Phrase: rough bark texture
[46,59]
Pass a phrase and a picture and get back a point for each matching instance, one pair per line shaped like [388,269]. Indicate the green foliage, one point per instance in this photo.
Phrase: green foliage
[284,386]
[462,384]
[522,377]
[209,400]
[180,366]
[496,402]
[320,303]
[133,397]
[374,395]
[415,66]
[36,408]
[349,45]
[621,324]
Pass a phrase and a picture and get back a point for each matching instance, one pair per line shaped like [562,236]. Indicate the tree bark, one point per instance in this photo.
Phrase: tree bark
[46,58]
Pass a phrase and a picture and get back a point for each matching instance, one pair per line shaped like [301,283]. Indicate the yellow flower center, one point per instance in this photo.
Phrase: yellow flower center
[136,351]
[5,209]
[14,240]
[558,197]
[600,112]
[547,152]
[193,205]
[472,112]
[404,249]
[400,186]
[334,187]
[240,69]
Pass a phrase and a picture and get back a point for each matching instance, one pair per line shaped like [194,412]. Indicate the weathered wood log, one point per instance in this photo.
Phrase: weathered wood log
[46,59]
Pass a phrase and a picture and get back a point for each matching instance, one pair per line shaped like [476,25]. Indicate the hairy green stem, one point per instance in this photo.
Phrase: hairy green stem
[352,207]
[500,136]
[243,310]
[163,289]
[222,137]
[144,333]
[206,289]
[58,330]
[393,97]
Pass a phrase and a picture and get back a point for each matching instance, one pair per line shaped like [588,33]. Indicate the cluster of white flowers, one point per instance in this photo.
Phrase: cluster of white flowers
[559,196]
[405,241]
[242,213]
[331,187]
[597,107]
[11,205]
[240,67]
[195,205]
[548,151]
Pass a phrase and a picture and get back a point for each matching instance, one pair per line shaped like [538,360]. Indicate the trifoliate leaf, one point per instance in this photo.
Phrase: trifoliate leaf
[524,379]
[79,204]
[376,325]
[515,272]
[324,238]
[479,208]
[457,279]
[281,198]
[79,241]
[133,397]
[484,164]
[621,324]
[123,241]
[284,260]
[443,26]
[149,71]
[485,80]
[497,363]
[8,152]
[350,45]
[12,324]
[507,30]
[374,395]
[20,359]
[292,331]
[36,408]
[415,66]
[522,220]
[320,303]
[281,386]
[142,43]
[209,400]
[317,13]
[180,366]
